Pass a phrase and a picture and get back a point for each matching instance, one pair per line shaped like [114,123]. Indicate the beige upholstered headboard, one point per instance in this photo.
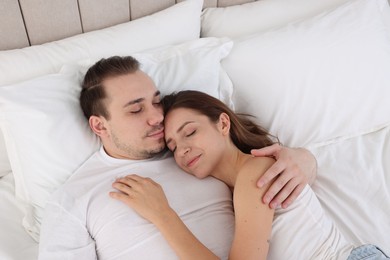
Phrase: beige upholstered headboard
[31,22]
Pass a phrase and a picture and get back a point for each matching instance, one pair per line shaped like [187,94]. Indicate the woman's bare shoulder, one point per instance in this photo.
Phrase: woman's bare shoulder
[254,167]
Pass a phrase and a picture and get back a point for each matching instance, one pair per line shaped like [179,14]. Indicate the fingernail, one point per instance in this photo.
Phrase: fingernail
[267,200]
[260,184]
[274,205]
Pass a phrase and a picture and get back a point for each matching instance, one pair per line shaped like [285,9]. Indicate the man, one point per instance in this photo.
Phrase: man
[123,108]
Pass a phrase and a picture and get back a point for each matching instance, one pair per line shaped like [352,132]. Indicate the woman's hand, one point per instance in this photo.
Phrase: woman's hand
[148,199]
[293,169]
[143,195]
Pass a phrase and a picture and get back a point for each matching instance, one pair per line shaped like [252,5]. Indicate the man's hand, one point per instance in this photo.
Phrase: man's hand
[293,169]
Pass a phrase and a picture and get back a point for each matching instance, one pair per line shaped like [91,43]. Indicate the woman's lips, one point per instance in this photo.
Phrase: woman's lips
[193,161]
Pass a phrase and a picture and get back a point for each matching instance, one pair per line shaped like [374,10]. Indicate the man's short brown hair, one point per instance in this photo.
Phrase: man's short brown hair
[93,93]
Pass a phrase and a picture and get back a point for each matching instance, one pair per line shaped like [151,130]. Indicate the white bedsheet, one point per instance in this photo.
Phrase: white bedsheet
[15,243]
[353,185]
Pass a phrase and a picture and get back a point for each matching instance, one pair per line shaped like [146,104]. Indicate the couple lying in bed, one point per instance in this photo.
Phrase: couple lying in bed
[177,215]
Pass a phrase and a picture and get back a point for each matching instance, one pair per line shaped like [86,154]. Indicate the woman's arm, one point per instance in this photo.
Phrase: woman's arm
[253,219]
[147,198]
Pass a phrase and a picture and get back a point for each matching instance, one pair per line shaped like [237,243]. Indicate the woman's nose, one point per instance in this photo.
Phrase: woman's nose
[184,150]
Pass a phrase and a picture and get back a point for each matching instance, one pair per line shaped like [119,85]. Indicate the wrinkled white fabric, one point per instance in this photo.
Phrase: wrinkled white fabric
[81,218]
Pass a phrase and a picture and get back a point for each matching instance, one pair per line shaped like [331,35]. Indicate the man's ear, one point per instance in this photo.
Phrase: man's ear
[97,124]
[224,123]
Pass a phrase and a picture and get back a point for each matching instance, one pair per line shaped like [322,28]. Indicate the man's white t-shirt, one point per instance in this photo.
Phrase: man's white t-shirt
[83,222]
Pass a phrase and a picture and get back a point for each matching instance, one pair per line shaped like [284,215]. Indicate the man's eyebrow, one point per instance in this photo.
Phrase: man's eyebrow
[178,130]
[139,100]
[135,101]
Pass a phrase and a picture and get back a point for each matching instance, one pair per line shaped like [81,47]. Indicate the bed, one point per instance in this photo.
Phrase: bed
[315,74]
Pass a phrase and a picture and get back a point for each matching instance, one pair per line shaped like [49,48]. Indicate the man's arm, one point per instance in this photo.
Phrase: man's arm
[293,169]
[64,237]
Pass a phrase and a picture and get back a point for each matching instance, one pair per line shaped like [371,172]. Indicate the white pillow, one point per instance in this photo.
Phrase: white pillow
[197,61]
[47,136]
[317,79]
[176,24]
[5,167]
[240,20]
[173,25]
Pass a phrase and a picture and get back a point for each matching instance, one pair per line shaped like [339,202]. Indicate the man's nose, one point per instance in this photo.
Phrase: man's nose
[156,116]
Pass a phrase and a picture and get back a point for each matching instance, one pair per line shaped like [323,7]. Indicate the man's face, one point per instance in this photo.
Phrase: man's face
[135,128]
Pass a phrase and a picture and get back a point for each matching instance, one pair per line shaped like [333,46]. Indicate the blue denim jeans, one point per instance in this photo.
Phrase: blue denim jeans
[367,252]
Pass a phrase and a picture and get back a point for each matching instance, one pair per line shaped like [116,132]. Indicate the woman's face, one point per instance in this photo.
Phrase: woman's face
[196,142]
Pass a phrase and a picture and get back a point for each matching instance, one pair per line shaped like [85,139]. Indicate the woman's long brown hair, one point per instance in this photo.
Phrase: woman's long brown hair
[245,134]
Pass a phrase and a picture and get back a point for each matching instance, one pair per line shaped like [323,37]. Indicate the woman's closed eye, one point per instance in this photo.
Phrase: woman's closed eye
[191,133]
[172,147]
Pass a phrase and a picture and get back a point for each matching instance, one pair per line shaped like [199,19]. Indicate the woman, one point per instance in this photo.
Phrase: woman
[208,139]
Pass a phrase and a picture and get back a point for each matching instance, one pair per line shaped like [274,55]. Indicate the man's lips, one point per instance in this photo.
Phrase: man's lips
[193,161]
[157,134]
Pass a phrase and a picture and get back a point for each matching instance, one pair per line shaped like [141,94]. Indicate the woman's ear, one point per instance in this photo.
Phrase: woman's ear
[97,125]
[224,123]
